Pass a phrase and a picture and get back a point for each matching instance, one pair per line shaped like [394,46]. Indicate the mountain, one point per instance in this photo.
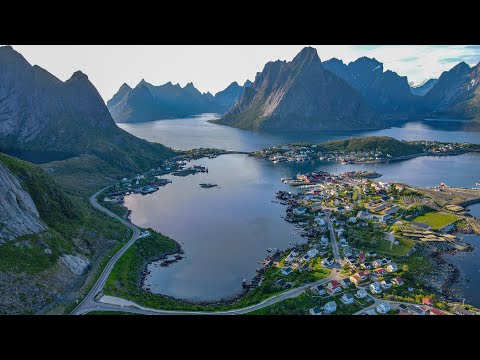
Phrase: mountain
[300,95]
[386,92]
[147,102]
[456,94]
[424,88]
[18,214]
[39,112]
[227,97]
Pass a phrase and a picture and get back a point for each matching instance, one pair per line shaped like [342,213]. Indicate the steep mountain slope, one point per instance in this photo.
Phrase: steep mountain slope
[456,93]
[40,112]
[147,102]
[386,92]
[423,88]
[18,214]
[300,95]
[50,242]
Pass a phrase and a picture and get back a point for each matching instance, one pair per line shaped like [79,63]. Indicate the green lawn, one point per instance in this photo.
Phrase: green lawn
[436,220]
[403,247]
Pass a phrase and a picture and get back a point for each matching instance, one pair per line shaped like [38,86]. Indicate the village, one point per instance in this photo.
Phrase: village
[365,233]
[304,152]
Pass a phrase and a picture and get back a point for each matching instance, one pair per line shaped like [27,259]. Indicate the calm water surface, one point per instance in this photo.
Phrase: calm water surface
[197,132]
[225,231]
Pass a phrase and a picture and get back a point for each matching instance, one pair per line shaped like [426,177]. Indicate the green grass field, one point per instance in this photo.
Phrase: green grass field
[436,220]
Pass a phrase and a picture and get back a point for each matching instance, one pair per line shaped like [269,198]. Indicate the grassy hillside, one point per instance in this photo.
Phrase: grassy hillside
[30,265]
[385,144]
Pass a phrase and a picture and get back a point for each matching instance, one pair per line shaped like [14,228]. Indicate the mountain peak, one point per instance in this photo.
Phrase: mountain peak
[125,87]
[79,75]
[461,67]
[9,55]
[306,54]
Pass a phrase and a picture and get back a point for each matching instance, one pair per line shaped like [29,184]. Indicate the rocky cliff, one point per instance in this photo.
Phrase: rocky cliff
[300,95]
[18,214]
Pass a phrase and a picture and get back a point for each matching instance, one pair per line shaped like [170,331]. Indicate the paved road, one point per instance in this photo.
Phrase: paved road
[89,301]
[333,236]
[137,309]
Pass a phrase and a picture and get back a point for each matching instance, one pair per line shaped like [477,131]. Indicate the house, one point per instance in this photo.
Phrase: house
[331,291]
[380,271]
[319,289]
[330,307]
[361,294]
[343,241]
[304,267]
[328,262]
[350,259]
[320,221]
[364,274]
[352,220]
[403,307]
[317,310]
[428,301]
[287,271]
[371,254]
[291,256]
[356,279]
[386,284]
[375,288]
[366,265]
[347,299]
[345,282]
[347,250]
[383,308]
[305,258]
[300,210]
[392,267]
[398,281]
[312,253]
[361,257]
[387,261]
[434,311]
[333,284]
[324,240]
[370,312]
[377,263]
[280,282]
[415,310]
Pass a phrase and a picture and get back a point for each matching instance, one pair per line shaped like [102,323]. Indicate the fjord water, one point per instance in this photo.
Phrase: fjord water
[226,230]
[197,132]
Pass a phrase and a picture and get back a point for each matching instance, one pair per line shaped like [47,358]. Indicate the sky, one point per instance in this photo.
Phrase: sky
[213,67]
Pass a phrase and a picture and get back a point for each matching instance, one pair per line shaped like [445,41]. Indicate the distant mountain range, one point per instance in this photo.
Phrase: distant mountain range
[424,88]
[40,112]
[300,95]
[147,102]
[307,94]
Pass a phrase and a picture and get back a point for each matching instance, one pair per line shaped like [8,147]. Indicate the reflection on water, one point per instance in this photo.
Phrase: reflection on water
[224,231]
[227,229]
[196,132]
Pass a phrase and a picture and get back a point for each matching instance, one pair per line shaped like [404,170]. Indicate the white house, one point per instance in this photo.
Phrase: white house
[383,308]
[392,267]
[375,288]
[347,298]
[386,284]
[377,263]
[330,307]
[324,240]
[312,253]
[352,220]
[328,262]
[300,210]
[291,256]
[361,294]
[320,221]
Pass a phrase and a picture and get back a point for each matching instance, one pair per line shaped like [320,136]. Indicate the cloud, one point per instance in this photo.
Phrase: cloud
[408,59]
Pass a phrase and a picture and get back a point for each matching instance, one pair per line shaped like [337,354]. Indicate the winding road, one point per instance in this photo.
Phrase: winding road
[89,303]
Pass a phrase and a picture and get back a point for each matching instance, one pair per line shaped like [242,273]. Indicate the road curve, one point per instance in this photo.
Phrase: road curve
[89,303]
[89,300]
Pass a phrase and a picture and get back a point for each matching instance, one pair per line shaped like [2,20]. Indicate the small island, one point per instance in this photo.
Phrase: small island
[367,150]
[207,186]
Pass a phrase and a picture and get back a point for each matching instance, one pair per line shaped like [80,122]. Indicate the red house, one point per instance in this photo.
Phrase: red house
[428,301]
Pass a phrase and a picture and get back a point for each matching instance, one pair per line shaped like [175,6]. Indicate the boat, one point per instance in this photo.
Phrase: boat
[477,184]
[269,249]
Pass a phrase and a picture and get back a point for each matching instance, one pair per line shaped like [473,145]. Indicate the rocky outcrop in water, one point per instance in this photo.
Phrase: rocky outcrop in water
[18,213]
